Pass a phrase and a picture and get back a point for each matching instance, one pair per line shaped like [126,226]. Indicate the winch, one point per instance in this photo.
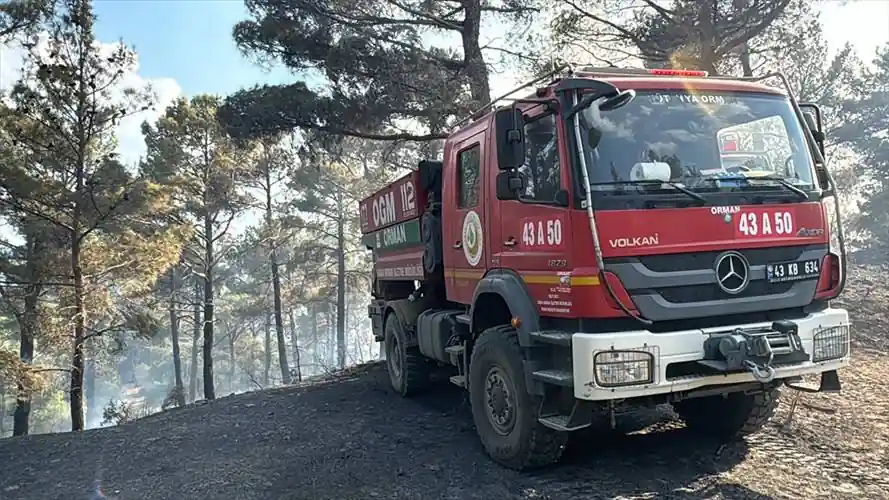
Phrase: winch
[755,349]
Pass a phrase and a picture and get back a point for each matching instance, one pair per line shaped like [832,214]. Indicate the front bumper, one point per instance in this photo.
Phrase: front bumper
[689,346]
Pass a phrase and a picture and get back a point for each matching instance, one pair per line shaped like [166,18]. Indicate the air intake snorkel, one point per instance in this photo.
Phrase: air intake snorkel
[612,100]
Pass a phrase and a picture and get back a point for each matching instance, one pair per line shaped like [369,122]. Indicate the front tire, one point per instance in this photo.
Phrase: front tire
[504,412]
[408,369]
[727,417]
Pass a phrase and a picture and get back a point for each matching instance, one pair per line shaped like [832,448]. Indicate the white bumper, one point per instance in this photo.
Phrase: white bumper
[688,345]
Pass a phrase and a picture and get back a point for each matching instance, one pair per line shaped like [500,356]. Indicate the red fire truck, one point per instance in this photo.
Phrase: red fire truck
[584,248]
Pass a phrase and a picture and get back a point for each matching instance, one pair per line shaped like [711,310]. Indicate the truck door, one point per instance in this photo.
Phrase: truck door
[534,235]
[466,243]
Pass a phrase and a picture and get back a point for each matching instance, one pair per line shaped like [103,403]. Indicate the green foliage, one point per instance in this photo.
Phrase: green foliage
[699,34]
[867,126]
[67,192]
[21,16]
[188,149]
[377,66]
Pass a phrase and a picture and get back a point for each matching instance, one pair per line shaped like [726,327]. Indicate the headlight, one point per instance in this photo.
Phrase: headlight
[831,343]
[622,368]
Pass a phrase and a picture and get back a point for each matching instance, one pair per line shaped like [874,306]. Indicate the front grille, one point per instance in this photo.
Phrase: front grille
[703,293]
[688,288]
[705,260]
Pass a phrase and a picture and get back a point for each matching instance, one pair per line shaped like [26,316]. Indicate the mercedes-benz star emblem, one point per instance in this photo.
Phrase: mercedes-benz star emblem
[732,272]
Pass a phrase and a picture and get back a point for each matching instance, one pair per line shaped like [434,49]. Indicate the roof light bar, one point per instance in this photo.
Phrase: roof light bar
[678,72]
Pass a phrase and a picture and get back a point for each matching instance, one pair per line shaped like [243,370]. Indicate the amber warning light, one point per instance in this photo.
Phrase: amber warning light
[678,72]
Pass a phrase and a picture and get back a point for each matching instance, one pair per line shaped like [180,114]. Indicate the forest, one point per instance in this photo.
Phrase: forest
[228,258]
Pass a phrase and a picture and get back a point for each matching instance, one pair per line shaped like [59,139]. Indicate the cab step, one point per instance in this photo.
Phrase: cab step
[463,319]
[456,349]
[554,338]
[562,423]
[555,377]
[458,380]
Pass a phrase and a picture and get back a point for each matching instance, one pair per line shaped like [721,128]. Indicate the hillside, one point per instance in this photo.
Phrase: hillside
[351,438]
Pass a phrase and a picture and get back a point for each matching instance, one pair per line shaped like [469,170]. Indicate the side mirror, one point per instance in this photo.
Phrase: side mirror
[509,184]
[812,115]
[509,124]
[620,100]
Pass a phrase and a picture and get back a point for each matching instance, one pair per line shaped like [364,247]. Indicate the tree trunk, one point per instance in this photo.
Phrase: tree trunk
[209,391]
[476,69]
[276,279]
[77,359]
[22,413]
[195,342]
[251,373]
[89,383]
[330,325]
[2,413]
[341,295]
[178,386]
[267,359]
[294,339]
[745,60]
[27,329]
[707,38]
[231,358]
[316,359]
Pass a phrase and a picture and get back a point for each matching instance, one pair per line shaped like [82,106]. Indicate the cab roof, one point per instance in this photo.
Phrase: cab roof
[682,83]
[671,79]
[643,79]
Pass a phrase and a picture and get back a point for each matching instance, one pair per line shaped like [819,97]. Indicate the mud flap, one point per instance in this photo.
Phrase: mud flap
[830,382]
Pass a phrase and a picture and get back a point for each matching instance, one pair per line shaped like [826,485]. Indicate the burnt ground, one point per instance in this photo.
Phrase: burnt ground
[351,438]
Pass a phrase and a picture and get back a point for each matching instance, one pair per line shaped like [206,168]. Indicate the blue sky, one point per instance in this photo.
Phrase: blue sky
[187,40]
[186,47]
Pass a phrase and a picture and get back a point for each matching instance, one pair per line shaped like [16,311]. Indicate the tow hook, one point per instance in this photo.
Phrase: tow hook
[762,373]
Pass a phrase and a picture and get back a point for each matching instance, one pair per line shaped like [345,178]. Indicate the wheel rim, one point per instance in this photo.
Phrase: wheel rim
[394,358]
[499,401]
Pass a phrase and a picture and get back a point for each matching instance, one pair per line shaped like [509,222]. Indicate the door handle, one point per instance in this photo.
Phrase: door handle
[458,245]
[511,242]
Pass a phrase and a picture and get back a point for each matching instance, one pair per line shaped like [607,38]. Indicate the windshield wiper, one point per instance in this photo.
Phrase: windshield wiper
[649,182]
[803,196]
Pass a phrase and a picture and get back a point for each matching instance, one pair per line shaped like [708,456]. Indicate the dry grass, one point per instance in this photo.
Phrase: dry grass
[835,445]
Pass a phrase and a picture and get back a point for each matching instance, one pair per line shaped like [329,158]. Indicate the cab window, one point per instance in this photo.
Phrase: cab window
[468,170]
[541,169]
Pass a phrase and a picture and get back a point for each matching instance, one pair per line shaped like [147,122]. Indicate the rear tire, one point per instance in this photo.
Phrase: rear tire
[504,412]
[408,369]
[727,417]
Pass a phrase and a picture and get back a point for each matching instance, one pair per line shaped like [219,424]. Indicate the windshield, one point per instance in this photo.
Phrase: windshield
[705,141]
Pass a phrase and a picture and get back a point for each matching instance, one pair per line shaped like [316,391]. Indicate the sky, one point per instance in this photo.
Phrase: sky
[185,47]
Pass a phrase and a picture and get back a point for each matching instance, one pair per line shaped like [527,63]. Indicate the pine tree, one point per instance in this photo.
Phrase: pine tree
[63,115]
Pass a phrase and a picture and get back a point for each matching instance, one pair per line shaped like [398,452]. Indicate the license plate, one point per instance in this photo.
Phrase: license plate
[780,272]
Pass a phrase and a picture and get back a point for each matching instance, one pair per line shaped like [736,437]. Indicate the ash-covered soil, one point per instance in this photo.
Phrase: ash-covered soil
[351,438]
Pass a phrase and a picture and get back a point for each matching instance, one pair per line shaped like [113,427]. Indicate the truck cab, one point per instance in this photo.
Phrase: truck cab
[593,245]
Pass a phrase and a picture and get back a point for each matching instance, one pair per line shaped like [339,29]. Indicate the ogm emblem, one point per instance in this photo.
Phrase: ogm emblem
[472,238]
